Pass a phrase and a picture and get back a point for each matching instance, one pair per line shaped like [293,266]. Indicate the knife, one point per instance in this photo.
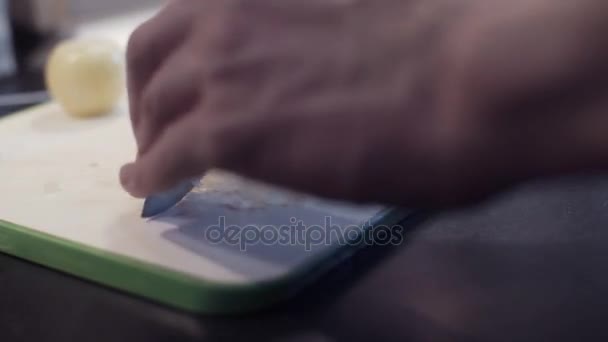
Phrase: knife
[157,204]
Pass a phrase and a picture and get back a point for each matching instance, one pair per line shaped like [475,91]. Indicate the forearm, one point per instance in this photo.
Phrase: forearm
[537,73]
[576,94]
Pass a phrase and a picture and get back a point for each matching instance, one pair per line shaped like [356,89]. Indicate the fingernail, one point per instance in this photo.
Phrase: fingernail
[127,180]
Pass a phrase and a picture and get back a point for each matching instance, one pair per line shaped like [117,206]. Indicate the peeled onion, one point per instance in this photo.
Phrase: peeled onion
[86,77]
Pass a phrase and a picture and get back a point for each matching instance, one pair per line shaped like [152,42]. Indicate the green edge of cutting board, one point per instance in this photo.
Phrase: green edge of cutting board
[163,285]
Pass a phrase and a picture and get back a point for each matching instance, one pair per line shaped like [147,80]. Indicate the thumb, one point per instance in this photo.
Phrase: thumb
[173,157]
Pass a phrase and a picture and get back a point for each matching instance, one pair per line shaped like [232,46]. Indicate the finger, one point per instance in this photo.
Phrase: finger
[175,156]
[150,45]
[173,91]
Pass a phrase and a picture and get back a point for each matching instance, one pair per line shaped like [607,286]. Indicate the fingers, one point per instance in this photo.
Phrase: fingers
[173,91]
[150,45]
[175,156]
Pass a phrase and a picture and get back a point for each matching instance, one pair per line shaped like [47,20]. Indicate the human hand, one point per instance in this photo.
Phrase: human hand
[406,102]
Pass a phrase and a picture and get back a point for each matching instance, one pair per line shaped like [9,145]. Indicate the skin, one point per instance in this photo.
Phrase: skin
[408,102]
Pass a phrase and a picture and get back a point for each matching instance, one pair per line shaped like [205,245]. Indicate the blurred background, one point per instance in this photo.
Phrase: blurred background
[30,28]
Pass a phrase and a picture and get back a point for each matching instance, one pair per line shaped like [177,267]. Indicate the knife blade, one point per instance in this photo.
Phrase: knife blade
[157,204]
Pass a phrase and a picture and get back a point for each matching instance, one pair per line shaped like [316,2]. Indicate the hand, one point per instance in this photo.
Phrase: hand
[422,102]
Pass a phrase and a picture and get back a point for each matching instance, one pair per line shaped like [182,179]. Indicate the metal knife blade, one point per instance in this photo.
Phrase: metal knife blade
[159,203]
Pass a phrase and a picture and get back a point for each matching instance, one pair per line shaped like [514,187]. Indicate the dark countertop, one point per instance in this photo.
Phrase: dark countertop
[531,265]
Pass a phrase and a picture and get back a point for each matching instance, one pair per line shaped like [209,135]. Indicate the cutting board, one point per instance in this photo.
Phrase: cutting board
[61,206]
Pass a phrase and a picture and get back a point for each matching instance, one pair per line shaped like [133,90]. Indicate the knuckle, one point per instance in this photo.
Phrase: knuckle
[226,28]
[149,102]
[137,46]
